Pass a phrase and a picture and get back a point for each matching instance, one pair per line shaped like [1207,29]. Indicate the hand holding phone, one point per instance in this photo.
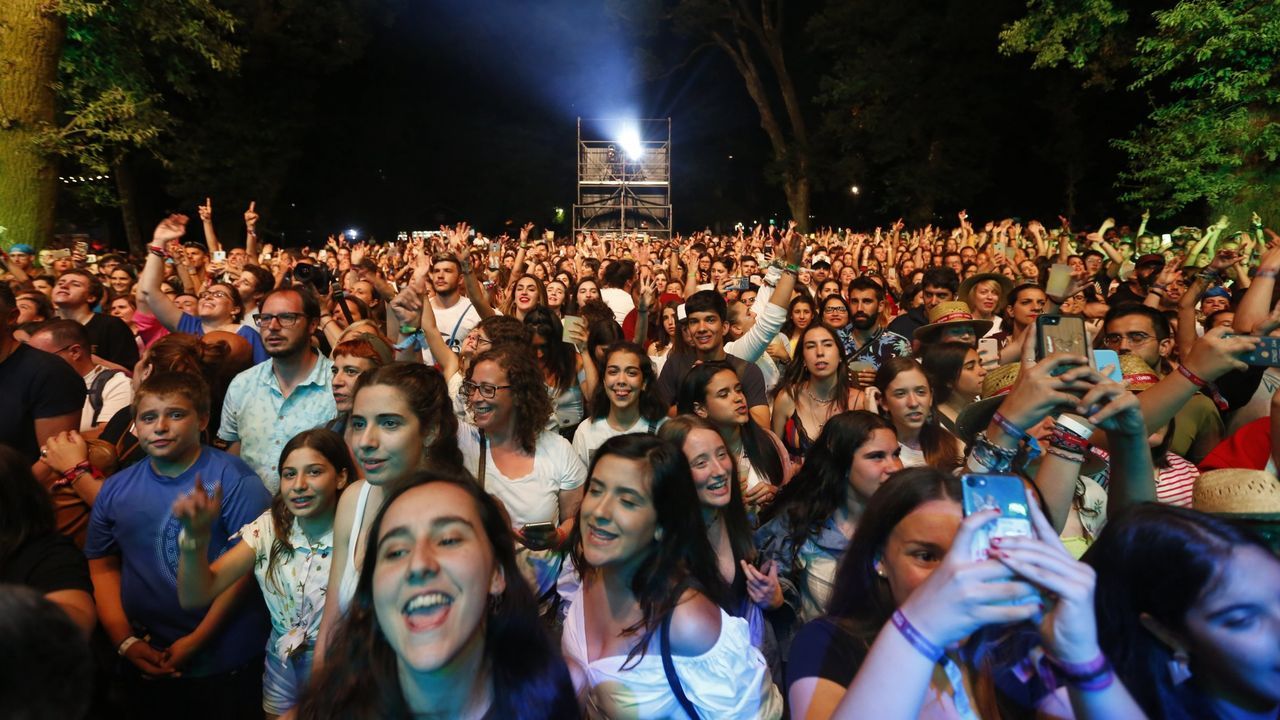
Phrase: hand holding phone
[538,536]
[995,492]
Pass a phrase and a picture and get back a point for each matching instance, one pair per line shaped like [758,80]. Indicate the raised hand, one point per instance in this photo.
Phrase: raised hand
[197,511]
[170,230]
[524,232]
[206,210]
[251,215]
[1223,260]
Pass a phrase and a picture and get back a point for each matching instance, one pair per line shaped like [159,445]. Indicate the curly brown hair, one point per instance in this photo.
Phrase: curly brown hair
[531,404]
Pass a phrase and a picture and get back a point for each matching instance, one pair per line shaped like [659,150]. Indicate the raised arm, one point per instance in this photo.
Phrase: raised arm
[162,306]
[199,583]
[206,219]
[251,232]
[440,350]
[1256,303]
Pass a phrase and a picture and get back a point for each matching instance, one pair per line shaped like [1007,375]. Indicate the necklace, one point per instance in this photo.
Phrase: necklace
[808,391]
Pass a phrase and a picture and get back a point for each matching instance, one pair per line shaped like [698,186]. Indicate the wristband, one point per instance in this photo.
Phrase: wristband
[1065,454]
[918,641]
[408,329]
[1266,273]
[1013,430]
[127,643]
[1195,379]
[187,543]
[1097,674]
[158,251]
[986,457]
[71,474]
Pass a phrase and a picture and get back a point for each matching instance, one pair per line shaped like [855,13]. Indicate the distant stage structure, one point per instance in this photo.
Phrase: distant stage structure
[624,177]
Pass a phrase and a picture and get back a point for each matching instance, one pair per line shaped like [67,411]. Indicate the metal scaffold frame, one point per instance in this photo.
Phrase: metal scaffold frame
[624,177]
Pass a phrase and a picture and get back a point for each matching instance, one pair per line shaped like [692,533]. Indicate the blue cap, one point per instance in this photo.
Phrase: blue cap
[22,248]
[1216,291]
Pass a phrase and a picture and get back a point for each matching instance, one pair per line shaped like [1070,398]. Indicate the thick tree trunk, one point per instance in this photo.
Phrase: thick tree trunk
[31,34]
[128,204]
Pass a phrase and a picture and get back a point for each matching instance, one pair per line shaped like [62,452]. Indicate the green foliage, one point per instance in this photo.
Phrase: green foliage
[1211,72]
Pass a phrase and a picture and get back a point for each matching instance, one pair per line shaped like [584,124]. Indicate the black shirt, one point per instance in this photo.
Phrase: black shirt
[677,366]
[35,385]
[48,563]
[907,323]
[112,340]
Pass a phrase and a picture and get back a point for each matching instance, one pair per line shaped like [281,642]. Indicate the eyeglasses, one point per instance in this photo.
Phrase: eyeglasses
[487,390]
[1113,340]
[833,310]
[220,294]
[286,319]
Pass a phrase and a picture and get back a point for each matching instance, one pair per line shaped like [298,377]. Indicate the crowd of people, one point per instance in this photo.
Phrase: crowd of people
[635,476]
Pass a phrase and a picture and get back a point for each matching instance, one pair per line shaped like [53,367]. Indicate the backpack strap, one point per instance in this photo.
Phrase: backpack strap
[96,388]
[669,667]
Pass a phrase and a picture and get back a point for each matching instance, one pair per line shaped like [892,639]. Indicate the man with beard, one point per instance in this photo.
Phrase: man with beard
[455,315]
[865,340]
[269,403]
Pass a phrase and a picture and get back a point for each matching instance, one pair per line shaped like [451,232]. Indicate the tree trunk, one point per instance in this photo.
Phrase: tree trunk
[31,35]
[128,204]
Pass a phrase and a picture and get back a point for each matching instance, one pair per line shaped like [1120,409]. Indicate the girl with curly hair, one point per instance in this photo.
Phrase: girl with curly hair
[533,472]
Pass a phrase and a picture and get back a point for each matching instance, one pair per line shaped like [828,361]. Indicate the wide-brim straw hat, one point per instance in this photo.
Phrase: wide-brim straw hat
[1245,497]
[977,416]
[1138,375]
[949,313]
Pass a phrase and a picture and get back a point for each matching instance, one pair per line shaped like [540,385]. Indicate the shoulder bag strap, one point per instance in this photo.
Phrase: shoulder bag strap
[484,457]
[669,667]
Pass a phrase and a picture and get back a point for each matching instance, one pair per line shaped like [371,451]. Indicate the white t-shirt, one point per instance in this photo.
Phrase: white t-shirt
[591,434]
[619,301]
[534,498]
[911,457]
[454,323]
[116,394]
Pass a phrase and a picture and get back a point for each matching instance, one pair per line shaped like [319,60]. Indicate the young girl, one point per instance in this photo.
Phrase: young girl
[441,625]
[644,636]
[626,400]
[906,400]
[287,548]
[955,374]
[712,391]
[401,420]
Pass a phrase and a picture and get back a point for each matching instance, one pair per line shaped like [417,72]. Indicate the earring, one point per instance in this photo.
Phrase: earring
[495,603]
[657,534]
[1180,667]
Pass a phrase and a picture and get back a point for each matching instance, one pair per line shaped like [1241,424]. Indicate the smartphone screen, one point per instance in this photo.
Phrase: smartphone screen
[1103,359]
[989,352]
[220,256]
[1267,354]
[1061,334]
[983,492]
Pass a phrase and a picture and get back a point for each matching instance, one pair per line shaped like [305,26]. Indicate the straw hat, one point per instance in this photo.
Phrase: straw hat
[945,314]
[1237,491]
[1138,375]
[977,416]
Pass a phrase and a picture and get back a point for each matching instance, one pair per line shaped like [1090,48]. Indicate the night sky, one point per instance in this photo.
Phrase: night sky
[463,110]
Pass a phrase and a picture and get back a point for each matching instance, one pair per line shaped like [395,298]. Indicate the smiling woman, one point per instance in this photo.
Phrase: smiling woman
[441,625]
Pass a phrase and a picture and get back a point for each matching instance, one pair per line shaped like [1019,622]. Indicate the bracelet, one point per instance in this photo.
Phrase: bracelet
[986,456]
[408,329]
[465,268]
[71,474]
[1013,430]
[1195,379]
[1074,457]
[187,543]
[792,267]
[1097,674]
[158,251]
[918,641]
[1266,273]
[127,643]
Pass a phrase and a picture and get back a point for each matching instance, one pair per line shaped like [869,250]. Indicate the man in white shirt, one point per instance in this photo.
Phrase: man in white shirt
[617,280]
[455,315]
[109,390]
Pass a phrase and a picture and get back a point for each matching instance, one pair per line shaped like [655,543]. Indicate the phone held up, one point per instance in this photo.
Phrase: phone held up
[1002,492]
[1267,354]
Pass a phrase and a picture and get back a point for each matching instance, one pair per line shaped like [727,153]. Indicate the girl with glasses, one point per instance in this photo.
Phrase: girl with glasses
[533,472]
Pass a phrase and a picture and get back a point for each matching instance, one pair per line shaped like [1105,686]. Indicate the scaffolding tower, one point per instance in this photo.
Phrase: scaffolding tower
[624,177]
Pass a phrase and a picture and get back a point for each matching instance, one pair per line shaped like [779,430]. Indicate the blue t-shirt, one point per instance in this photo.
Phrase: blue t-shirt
[191,325]
[132,518]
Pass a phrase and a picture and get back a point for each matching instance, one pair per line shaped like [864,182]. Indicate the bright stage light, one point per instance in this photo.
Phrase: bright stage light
[352,233]
[629,141]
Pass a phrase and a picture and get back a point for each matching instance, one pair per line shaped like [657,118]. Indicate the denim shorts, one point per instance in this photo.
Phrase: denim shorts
[283,682]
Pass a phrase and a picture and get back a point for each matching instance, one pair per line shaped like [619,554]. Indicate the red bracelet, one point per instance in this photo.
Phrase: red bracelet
[1195,379]
[1067,440]
[71,474]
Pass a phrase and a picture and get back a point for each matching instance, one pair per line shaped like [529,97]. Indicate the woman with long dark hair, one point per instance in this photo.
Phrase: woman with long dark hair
[1188,609]
[527,293]
[955,375]
[666,334]
[800,315]
[646,635]
[712,390]
[814,389]
[626,400]
[920,627]
[906,400]
[809,525]
[401,420]
[569,374]
[441,624]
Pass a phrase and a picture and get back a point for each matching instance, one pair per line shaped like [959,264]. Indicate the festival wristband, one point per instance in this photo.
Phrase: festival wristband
[1014,431]
[1266,273]
[1092,676]
[126,644]
[918,641]
[1195,379]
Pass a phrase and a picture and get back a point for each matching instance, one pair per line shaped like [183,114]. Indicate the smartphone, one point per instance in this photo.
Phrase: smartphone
[1267,354]
[495,247]
[1102,359]
[82,248]
[539,534]
[984,492]
[220,256]
[1166,238]
[989,352]
[1061,333]
[739,284]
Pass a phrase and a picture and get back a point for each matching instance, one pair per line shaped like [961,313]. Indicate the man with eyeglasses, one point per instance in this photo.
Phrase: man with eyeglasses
[75,294]
[269,403]
[1145,332]
[109,390]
